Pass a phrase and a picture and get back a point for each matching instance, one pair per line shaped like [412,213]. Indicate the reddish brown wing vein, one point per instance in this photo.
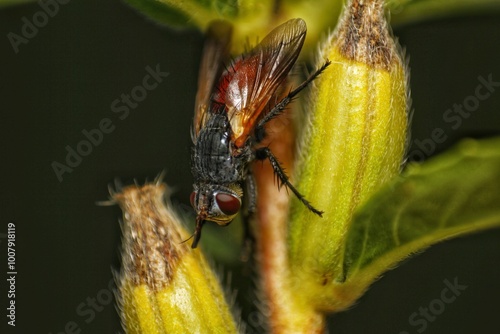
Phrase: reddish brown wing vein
[253,80]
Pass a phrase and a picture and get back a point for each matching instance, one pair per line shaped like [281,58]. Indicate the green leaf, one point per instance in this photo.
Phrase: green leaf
[198,13]
[250,18]
[453,194]
[408,11]
[5,3]
[161,13]
[254,18]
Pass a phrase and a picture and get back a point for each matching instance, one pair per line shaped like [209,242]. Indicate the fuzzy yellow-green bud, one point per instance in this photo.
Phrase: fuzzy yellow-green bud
[164,285]
[355,142]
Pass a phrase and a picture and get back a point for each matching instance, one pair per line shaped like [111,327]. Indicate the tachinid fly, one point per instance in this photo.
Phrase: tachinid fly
[231,111]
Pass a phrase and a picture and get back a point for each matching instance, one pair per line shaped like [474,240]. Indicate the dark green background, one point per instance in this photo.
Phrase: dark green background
[64,80]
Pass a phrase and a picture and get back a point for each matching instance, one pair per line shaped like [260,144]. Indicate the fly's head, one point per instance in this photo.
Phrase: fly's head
[216,203]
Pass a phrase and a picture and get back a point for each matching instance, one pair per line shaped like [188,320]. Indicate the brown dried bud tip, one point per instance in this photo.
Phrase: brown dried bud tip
[151,238]
[164,286]
[363,35]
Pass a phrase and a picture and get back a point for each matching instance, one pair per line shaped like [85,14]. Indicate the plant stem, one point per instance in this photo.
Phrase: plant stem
[286,312]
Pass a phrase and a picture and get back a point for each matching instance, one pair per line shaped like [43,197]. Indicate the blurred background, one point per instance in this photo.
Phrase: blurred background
[65,81]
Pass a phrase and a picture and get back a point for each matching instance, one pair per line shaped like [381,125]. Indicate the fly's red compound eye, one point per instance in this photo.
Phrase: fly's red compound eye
[192,197]
[228,204]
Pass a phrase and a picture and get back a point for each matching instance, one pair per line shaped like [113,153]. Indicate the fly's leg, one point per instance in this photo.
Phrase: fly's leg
[278,108]
[248,214]
[265,153]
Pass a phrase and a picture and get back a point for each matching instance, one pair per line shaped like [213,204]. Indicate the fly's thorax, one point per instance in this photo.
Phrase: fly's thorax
[215,202]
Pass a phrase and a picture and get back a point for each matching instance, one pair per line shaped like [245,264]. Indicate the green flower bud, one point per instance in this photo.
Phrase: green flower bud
[165,286]
[354,143]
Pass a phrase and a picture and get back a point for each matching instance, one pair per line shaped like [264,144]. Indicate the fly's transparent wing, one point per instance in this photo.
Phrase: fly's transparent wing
[215,54]
[246,88]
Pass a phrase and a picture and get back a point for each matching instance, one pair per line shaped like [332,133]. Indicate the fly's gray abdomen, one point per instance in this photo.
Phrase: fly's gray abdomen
[212,159]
